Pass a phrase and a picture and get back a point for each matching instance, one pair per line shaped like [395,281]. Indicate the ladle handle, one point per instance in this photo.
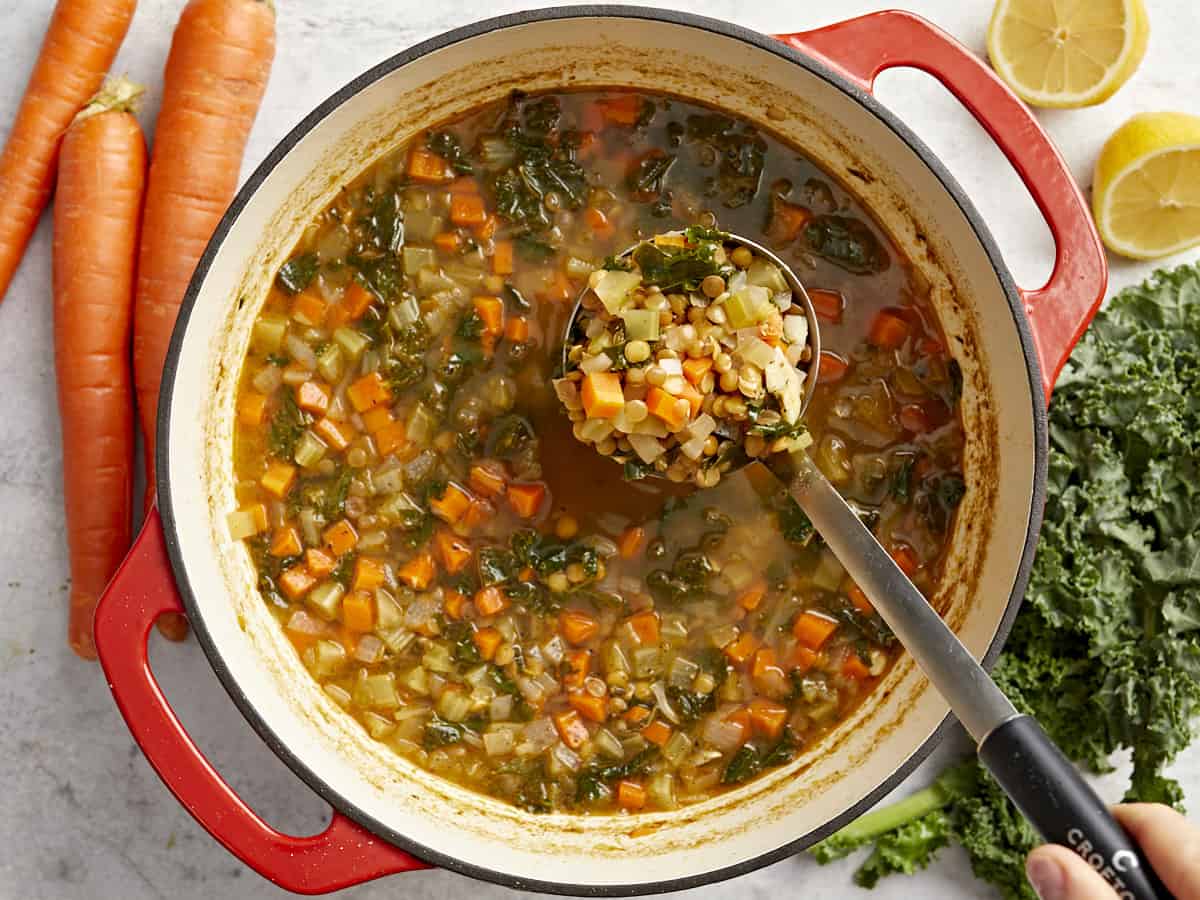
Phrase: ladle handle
[1042,782]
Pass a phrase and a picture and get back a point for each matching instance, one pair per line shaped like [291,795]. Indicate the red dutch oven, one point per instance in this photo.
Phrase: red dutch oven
[813,89]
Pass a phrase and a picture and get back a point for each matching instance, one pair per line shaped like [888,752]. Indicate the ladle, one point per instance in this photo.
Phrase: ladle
[1042,782]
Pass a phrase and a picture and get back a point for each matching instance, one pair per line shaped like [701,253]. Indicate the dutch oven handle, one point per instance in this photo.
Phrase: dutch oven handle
[1059,311]
[342,855]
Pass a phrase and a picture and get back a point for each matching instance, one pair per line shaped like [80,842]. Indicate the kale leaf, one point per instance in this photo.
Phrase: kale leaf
[298,272]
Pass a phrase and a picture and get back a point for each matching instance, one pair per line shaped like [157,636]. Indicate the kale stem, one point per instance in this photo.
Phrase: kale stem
[880,821]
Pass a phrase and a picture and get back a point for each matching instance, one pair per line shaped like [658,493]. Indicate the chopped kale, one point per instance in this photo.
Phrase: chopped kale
[449,148]
[848,243]
[298,272]
[287,424]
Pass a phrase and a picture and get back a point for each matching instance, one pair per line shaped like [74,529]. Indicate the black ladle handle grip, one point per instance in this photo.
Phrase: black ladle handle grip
[1056,800]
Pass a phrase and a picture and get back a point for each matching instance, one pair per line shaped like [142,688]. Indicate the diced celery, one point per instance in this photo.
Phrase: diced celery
[607,743]
[325,658]
[766,275]
[677,747]
[647,662]
[405,312]
[269,331]
[661,790]
[438,659]
[614,658]
[417,258]
[310,450]
[421,224]
[329,363]
[244,523]
[748,306]
[376,691]
[352,343]
[378,726]
[397,508]
[453,706]
[327,598]
[641,324]
[578,268]
[613,287]
[430,281]
[421,425]
[829,573]
[682,672]
[416,680]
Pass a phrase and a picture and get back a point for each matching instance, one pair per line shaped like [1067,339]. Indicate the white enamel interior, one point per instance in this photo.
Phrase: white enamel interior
[831,127]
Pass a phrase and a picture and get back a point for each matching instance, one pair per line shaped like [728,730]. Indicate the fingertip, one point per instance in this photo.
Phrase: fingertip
[1058,874]
[1045,873]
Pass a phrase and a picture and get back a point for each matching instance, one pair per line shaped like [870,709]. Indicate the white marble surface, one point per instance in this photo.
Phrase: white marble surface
[81,814]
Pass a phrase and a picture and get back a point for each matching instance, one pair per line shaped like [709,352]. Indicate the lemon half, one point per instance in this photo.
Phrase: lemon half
[1146,189]
[1067,53]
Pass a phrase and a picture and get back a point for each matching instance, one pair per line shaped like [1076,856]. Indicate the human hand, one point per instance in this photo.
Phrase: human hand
[1170,842]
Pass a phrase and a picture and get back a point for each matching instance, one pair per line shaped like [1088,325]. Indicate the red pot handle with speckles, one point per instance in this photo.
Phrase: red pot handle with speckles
[342,855]
[1060,310]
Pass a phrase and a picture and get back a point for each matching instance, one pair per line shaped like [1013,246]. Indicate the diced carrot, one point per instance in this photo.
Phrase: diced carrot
[577,626]
[833,368]
[889,330]
[368,574]
[336,317]
[586,144]
[570,728]
[454,603]
[286,542]
[376,418]
[319,562]
[447,241]
[309,309]
[787,221]
[467,209]
[828,305]
[636,715]
[631,796]
[741,650]
[752,596]
[486,230]
[630,542]
[906,558]
[337,435]
[813,629]
[313,397]
[488,478]
[278,478]
[358,611]
[594,709]
[557,290]
[739,716]
[478,513]
[502,258]
[645,625]
[488,640]
[657,732]
[491,312]
[694,370]
[801,658]
[258,512]
[296,582]
[854,668]
[357,300]
[859,599]
[767,717]
[932,347]
[663,405]
[252,408]
[390,438]
[602,394]
[370,390]
[340,537]
[418,573]
[694,398]
[598,222]
[576,665]
[425,165]
[465,184]
[912,418]
[622,109]
[490,600]
[453,551]
[526,498]
[516,330]
[764,663]
[452,505]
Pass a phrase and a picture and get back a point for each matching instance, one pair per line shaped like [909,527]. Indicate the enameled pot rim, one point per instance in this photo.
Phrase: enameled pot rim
[170,515]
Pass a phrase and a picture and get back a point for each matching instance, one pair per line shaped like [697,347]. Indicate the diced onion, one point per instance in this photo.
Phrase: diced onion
[300,351]
[725,736]
[369,649]
[267,379]
[540,733]
[646,447]
[795,329]
[601,362]
[499,742]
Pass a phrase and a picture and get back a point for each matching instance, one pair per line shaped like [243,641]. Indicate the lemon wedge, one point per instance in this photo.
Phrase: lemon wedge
[1146,189]
[1067,53]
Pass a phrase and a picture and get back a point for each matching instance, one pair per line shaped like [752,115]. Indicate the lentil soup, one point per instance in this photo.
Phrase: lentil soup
[497,601]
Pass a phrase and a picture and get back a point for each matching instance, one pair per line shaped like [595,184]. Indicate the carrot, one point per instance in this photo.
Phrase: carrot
[286,542]
[577,626]
[598,222]
[767,717]
[657,732]
[419,571]
[491,312]
[319,562]
[622,109]
[369,391]
[81,41]
[645,625]
[602,395]
[855,669]
[490,600]
[467,209]
[577,664]
[102,172]
[631,541]
[526,499]
[741,649]
[368,574]
[452,505]
[213,83]
[358,612]
[828,305]
[889,331]
[630,795]
[661,404]
[571,728]
[833,368]
[488,478]
[447,241]
[340,537]
[488,640]
[337,435]
[502,258]
[812,629]
[753,595]
[594,709]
